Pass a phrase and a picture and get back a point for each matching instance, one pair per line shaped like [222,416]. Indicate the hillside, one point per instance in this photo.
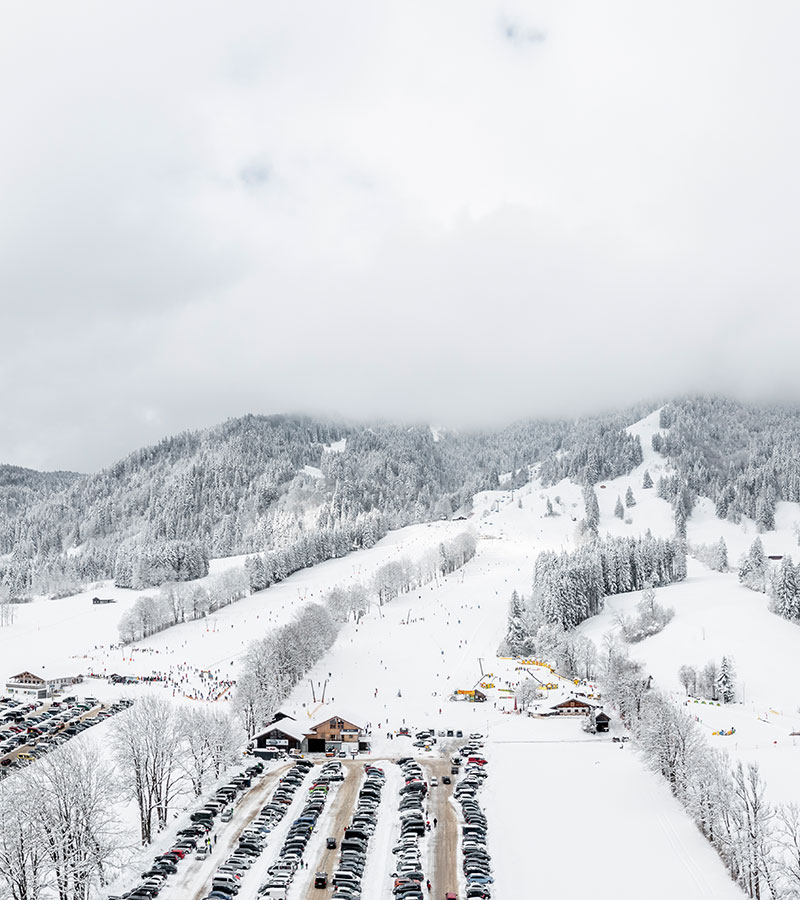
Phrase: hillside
[396,664]
[21,488]
[309,488]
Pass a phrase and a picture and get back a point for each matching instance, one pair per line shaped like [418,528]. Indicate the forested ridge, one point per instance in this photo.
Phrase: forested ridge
[302,489]
[745,458]
[298,488]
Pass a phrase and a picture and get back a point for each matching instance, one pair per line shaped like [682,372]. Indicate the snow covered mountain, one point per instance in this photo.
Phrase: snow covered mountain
[612,570]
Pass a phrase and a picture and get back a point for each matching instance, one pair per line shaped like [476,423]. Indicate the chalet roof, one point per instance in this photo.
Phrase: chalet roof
[285,726]
[27,676]
[280,715]
[573,701]
[351,720]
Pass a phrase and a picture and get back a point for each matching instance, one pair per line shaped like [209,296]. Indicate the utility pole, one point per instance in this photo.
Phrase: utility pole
[313,695]
[480,663]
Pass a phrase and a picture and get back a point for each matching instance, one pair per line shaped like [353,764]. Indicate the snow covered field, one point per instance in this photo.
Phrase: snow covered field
[585,811]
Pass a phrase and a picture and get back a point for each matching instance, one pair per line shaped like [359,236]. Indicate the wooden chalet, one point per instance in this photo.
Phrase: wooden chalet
[27,684]
[283,735]
[335,733]
[572,706]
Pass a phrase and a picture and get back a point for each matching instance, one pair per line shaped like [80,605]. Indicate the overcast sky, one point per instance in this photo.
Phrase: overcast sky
[462,212]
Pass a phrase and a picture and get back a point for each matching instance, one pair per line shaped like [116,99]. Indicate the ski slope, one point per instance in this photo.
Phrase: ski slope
[569,814]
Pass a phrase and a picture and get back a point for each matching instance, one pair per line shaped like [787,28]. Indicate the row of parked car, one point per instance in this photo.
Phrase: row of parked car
[31,730]
[409,878]
[281,872]
[353,848]
[476,860]
[194,839]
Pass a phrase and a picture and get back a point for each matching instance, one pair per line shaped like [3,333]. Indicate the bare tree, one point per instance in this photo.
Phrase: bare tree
[23,866]
[788,837]
[753,846]
[71,796]
[527,694]
[210,741]
[147,744]
[687,675]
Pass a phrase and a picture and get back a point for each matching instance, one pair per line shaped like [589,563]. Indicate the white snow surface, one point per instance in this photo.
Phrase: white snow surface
[570,815]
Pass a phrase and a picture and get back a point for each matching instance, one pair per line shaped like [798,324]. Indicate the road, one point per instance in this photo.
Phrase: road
[444,837]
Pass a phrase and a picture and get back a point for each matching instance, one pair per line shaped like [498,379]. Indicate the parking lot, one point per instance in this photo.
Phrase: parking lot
[30,729]
[318,828]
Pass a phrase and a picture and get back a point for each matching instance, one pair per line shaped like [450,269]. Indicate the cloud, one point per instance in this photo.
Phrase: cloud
[376,210]
[520,35]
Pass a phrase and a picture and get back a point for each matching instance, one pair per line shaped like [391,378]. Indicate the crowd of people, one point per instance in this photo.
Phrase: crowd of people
[185,680]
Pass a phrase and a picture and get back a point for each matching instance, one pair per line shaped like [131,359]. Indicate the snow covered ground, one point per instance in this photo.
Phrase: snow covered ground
[569,814]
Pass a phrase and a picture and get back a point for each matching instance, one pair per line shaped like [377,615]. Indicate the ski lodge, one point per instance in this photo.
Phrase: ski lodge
[572,706]
[336,733]
[283,734]
[26,684]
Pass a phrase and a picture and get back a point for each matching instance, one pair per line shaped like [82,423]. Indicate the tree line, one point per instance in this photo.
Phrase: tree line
[757,840]
[176,603]
[569,587]
[164,752]
[263,484]
[780,581]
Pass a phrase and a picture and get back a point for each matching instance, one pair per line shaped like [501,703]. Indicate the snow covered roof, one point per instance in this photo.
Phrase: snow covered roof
[340,714]
[572,701]
[285,726]
[27,678]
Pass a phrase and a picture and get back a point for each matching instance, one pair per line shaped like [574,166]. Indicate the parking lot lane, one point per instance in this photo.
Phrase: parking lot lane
[197,883]
[334,825]
[444,836]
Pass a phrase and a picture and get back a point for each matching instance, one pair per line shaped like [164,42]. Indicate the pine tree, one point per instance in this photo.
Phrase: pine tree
[517,632]
[619,510]
[753,570]
[630,500]
[722,556]
[785,590]
[592,508]
[726,685]
[647,481]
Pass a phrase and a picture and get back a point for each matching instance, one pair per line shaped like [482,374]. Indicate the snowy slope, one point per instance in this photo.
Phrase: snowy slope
[600,822]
